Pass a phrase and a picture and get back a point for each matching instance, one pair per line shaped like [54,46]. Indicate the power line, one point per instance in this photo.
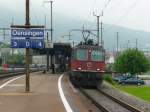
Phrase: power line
[125,14]
[106,5]
[103,9]
[129,10]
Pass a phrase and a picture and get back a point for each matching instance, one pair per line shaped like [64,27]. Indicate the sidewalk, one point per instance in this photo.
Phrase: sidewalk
[44,95]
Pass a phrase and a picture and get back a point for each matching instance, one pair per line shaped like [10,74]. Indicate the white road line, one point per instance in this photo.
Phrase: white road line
[63,98]
[15,85]
[3,85]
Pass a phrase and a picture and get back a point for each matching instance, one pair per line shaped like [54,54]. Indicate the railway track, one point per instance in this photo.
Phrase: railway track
[107,103]
[122,103]
[15,73]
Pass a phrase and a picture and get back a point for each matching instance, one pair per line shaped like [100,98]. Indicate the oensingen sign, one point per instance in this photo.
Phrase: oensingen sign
[27,33]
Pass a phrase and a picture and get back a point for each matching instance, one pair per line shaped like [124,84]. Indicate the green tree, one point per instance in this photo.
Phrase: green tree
[16,59]
[5,46]
[132,61]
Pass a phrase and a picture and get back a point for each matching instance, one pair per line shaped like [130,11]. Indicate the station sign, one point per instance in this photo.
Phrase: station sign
[27,38]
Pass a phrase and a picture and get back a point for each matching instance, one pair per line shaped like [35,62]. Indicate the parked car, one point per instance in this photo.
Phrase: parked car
[134,81]
[120,78]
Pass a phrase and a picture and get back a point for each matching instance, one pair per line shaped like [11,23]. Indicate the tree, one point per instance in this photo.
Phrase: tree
[16,59]
[132,61]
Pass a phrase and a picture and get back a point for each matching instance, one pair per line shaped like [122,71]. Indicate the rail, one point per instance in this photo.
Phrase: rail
[122,103]
[99,106]
[105,109]
[17,72]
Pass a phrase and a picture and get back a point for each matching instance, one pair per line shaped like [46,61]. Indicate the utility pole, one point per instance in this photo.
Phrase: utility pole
[4,33]
[47,54]
[136,43]
[51,13]
[101,33]
[128,46]
[98,29]
[27,25]
[117,41]
[98,17]
[51,21]
[45,20]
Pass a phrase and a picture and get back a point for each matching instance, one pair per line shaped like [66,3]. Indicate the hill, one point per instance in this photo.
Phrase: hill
[63,23]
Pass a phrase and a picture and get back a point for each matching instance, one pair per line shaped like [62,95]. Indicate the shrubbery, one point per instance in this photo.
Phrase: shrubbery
[108,78]
[132,61]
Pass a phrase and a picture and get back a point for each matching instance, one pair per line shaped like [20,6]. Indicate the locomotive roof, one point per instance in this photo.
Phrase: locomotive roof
[88,46]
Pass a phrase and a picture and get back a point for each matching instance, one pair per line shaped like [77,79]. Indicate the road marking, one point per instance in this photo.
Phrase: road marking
[3,85]
[15,85]
[63,98]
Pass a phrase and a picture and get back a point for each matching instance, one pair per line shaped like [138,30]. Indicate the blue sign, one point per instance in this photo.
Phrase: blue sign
[27,38]
[15,43]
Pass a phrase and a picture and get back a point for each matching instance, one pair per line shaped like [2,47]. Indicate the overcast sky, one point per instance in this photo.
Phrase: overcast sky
[129,13]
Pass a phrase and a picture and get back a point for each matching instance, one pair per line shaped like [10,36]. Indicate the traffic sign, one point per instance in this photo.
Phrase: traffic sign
[27,38]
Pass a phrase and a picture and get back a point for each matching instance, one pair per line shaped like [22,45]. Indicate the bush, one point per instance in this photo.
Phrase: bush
[108,78]
[132,61]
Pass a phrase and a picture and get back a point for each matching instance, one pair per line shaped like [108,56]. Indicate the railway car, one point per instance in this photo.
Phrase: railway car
[87,65]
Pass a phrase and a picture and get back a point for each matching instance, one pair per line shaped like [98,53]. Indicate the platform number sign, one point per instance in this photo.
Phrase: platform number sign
[27,38]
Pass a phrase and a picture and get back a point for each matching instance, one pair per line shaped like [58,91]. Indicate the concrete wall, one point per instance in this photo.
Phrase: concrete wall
[41,59]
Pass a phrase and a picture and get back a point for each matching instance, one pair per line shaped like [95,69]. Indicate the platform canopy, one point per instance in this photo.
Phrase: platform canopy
[58,48]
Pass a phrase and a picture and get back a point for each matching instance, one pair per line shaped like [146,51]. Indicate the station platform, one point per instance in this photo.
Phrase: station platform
[44,95]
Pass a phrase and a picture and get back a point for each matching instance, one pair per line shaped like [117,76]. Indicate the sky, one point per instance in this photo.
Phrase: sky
[128,13]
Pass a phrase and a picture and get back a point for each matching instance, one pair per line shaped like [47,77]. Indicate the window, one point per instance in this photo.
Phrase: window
[82,54]
[97,55]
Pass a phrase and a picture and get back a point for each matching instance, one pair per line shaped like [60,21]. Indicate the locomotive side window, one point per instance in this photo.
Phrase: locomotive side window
[82,54]
[97,55]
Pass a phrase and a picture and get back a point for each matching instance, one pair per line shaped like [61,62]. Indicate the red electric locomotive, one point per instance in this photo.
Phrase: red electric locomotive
[87,65]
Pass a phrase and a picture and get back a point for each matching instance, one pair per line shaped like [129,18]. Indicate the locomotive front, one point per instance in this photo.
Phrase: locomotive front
[87,65]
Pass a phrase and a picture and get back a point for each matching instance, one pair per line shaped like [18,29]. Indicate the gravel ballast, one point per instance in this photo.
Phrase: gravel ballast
[130,99]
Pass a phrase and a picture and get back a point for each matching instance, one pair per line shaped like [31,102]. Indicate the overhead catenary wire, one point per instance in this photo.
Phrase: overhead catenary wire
[124,15]
[106,5]
[102,9]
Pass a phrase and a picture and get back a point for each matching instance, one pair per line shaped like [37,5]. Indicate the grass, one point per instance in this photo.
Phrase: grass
[142,92]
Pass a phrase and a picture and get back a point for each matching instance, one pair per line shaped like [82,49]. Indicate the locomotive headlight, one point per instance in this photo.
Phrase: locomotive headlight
[79,68]
[98,69]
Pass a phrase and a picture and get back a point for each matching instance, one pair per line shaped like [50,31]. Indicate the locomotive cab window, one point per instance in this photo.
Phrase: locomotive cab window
[97,55]
[82,54]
